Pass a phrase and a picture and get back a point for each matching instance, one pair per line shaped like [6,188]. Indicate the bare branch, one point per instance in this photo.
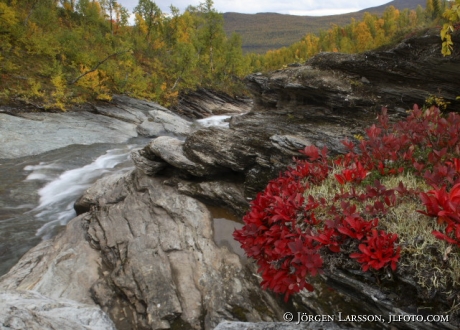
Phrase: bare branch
[97,66]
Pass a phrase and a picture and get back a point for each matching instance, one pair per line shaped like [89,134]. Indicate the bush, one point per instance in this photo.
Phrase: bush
[349,206]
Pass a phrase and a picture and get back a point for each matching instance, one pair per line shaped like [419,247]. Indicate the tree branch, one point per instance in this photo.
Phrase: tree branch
[97,66]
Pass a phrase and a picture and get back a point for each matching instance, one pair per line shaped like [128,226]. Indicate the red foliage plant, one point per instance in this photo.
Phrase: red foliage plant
[287,231]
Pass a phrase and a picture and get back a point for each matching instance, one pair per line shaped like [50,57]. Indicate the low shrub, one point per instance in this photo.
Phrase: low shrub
[373,206]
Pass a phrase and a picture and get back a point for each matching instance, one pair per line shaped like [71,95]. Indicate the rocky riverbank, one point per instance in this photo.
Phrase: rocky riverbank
[142,246]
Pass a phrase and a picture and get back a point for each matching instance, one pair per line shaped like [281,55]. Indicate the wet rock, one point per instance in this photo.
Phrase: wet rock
[29,133]
[32,311]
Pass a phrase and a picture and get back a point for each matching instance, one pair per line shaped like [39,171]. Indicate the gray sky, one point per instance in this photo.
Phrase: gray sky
[297,7]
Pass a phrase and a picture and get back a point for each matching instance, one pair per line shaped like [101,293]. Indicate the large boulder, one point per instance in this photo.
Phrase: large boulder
[146,254]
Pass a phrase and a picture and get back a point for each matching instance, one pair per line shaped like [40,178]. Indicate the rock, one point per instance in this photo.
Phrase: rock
[152,119]
[27,133]
[108,190]
[60,272]
[226,194]
[171,151]
[161,256]
[32,311]
[65,267]
[163,123]
[371,300]
[146,165]
[145,253]
[35,133]
[277,326]
[204,103]
[134,117]
[289,144]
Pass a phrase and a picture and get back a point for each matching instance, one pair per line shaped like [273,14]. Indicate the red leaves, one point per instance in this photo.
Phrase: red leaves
[286,231]
[378,250]
[356,227]
[313,153]
[446,207]
[356,173]
[329,237]
[439,203]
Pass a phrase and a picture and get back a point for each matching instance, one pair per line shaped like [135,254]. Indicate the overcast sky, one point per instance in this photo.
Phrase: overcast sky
[297,7]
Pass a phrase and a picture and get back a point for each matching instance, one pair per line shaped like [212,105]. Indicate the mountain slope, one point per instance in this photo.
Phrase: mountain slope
[264,31]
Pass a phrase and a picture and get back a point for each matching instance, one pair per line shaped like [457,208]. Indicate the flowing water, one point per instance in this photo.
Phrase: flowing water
[219,121]
[37,193]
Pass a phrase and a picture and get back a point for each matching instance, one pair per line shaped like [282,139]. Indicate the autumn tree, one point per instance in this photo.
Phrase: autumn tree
[149,17]
[364,40]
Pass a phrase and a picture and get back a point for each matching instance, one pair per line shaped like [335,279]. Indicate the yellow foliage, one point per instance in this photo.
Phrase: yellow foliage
[452,14]
[438,101]
[8,16]
[60,90]
[35,88]
[96,82]
[104,97]
[140,22]
[363,37]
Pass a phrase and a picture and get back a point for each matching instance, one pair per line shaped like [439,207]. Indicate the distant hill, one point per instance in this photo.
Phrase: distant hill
[264,31]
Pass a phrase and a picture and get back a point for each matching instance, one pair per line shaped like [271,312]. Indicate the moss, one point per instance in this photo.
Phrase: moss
[179,324]
[239,313]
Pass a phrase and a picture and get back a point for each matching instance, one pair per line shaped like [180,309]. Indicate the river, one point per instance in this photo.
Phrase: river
[37,193]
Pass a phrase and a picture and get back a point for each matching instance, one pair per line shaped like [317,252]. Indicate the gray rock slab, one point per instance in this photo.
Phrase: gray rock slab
[35,133]
[132,116]
[65,267]
[289,144]
[20,310]
[163,123]
[170,150]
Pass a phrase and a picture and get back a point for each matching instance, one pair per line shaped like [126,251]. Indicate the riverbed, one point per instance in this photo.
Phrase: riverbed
[37,193]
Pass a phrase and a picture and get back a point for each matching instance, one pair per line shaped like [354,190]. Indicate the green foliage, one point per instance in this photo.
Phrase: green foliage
[98,54]
[70,51]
